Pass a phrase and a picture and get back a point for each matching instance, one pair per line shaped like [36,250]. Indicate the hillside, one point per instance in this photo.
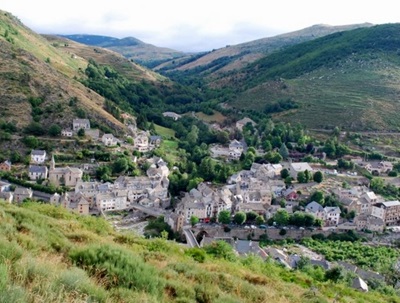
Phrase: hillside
[33,68]
[349,79]
[132,48]
[48,254]
[234,57]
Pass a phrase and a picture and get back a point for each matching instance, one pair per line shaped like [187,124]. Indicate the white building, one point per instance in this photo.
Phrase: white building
[38,156]
[109,140]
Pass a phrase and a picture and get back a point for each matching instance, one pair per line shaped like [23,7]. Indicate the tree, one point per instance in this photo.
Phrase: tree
[31,141]
[281,217]
[120,166]
[283,151]
[288,180]
[81,132]
[273,157]
[193,136]
[309,219]
[194,220]
[318,177]
[317,196]
[307,175]
[335,274]
[35,128]
[301,177]
[224,217]
[54,130]
[251,216]
[260,220]
[103,173]
[285,173]
[377,185]
[239,218]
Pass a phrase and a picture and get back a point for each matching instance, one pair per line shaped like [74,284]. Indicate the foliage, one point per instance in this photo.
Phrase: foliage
[375,258]
[318,177]
[47,254]
[220,250]
[284,173]
[155,228]
[194,220]
[239,218]
[54,130]
[281,217]
[224,217]
[118,268]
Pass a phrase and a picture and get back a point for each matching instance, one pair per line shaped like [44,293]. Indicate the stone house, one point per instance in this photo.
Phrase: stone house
[111,201]
[4,186]
[332,216]
[155,141]
[83,206]
[316,209]
[37,172]
[257,208]
[141,142]
[21,193]
[7,196]
[369,222]
[176,221]
[78,124]
[241,123]
[109,140]
[235,149]
[388,211]
[38,156]
[5,166]
[67,176]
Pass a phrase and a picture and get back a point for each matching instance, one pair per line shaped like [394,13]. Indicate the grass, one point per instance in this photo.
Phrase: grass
[216,117]
[164,132]
[87,265]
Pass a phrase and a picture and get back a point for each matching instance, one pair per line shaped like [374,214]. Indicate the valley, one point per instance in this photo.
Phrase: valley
[226,176]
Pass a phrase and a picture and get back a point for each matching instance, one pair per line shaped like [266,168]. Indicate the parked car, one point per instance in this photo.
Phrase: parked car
[263,226]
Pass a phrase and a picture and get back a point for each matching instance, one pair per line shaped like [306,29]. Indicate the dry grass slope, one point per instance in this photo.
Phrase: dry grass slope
[48,254]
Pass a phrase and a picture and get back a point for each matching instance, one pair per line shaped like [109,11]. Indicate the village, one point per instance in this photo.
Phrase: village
[261,190]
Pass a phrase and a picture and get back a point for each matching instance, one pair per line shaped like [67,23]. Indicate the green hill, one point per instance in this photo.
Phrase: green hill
[234,57]
[48,254]
[348,79]
[132,48]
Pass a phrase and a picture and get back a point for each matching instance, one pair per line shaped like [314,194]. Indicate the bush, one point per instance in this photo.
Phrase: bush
[197,254]
[221,250]
[117,267]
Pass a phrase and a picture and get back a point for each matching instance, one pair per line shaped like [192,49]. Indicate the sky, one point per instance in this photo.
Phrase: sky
[194,26]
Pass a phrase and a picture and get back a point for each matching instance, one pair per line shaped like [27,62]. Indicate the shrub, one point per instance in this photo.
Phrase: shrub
[220,249]
[117,267]
[197,254]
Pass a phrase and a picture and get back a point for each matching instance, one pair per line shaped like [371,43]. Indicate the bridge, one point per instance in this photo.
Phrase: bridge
[190,238]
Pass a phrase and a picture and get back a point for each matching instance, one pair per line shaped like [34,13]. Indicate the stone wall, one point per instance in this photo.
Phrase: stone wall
[254,234]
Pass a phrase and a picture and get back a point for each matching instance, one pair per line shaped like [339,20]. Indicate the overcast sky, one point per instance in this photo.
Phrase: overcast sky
[188,25]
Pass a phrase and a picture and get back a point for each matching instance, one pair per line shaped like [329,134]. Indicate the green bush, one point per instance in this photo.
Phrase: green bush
[197,254]
[118,268]
[221,250]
